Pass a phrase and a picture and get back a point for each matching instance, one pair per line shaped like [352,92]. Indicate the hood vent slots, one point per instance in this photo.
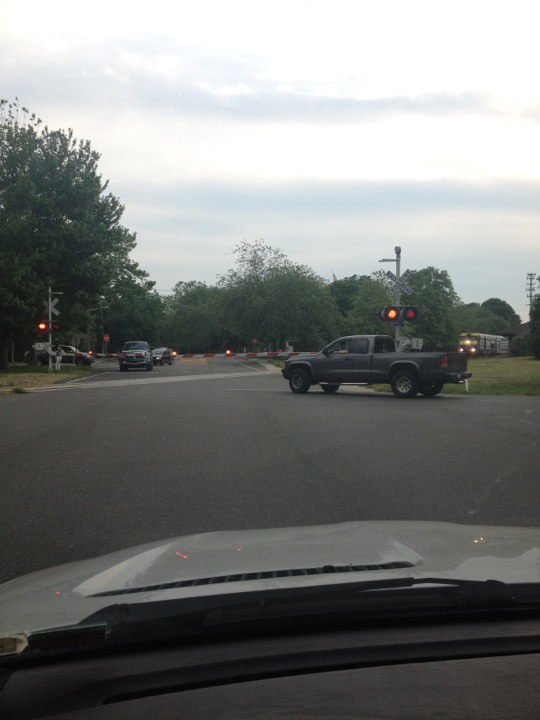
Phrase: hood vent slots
[262,575]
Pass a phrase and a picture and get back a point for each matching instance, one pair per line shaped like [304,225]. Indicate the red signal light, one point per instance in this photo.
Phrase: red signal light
[410,314]
[398,315]
[43,327]
[390,313]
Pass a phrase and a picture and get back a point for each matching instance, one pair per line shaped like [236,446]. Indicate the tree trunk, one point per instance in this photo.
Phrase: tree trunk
[4,354]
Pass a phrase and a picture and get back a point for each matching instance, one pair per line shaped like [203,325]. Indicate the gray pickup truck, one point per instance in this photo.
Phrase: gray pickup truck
[368,359]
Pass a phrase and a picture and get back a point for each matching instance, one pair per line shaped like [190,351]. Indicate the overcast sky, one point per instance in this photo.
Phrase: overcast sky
[333,129]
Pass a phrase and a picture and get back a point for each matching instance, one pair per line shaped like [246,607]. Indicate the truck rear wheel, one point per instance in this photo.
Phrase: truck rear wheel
[404,384]
[299,381]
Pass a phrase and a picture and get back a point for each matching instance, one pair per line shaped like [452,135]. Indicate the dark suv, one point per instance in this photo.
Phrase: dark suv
[135,354]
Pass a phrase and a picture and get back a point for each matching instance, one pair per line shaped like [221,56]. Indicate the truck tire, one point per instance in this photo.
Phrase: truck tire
[404,384]
[431,389]
[330,388]
[299,381]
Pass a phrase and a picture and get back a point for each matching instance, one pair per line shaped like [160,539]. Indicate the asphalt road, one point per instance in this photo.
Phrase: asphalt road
[119,459]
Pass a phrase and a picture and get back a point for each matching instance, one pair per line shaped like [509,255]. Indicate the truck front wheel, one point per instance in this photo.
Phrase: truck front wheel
[404,384]
[299,381]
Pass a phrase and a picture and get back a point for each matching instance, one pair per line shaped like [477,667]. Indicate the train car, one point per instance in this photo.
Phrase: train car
[482,345]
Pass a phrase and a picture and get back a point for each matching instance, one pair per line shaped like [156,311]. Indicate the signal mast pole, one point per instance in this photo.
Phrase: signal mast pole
[397,260]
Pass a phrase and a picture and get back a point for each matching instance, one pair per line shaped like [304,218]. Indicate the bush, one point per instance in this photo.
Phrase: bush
[520,345]
[534,343]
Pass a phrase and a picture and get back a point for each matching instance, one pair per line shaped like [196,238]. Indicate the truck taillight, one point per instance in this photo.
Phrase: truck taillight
[444,361]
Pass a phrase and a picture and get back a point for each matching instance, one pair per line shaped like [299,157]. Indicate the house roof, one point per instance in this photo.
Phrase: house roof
[521,329]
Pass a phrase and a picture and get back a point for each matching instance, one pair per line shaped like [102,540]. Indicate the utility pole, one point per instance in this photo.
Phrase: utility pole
[101,308]
[530,289]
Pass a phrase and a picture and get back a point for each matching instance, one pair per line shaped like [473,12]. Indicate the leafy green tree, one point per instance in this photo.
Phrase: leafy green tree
[59,227]
[434,295]
[298,309]
[519,345]
[345,292]
[473,317]
[193,318]
[534,340]
[273,300]
[134,311]
[371,298]
[505,313]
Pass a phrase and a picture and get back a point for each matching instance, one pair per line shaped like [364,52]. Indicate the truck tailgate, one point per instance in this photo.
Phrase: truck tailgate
[457,362]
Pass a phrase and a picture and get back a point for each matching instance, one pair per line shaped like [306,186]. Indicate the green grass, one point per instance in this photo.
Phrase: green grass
[19,377]
[501,376]
[497,376]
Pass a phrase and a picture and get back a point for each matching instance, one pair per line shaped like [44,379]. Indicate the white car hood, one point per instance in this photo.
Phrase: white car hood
[219,563]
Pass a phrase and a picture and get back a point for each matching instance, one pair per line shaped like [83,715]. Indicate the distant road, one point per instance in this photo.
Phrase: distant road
[126,458]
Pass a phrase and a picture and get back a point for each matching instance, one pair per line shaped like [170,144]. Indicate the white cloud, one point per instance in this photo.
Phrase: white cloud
[333,128]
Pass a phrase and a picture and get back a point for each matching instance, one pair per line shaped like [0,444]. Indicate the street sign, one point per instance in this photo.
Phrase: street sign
[54,311]
[401,283]
[106,338]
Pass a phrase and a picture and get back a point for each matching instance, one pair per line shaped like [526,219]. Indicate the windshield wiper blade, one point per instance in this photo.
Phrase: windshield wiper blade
[370,596]
[395,598]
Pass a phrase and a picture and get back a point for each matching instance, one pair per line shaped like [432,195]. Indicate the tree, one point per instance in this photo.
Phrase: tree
[434,295]
[193,318]
[371,298]
[519,345]
[345,292]
[474,317]
[534,342]
[273,300]
[298,309]
[59,227]
[503,311]
[135,311]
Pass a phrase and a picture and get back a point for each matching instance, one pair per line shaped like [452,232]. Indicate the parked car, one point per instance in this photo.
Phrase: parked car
[70,356]
[162,355]
[135,354]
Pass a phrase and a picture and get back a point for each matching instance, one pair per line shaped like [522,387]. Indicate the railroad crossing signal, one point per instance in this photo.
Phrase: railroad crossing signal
[399,314]
[398,284]
[53,304]
[48,327]
[390,313]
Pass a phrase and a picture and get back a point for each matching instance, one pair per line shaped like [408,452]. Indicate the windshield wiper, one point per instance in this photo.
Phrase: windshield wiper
[391,598]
